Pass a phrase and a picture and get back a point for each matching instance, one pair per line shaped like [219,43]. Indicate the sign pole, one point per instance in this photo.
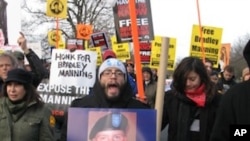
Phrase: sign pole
[139,80]
[160,93]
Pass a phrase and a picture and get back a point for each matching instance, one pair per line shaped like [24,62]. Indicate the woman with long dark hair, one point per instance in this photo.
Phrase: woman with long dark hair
[23,115]
[190,106]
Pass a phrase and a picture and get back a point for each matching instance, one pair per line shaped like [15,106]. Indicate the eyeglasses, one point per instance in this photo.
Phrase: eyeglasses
[109,73]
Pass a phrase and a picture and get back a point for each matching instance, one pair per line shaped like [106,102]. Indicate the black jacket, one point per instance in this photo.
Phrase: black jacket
[38,70]
[234,109]
[180,112]
[97,100]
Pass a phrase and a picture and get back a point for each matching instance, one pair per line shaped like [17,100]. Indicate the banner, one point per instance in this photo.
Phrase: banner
[84,31]
[156,51]
[73,68]
[122,51]
[224,55]
[94,124]
[59,97]
[123,22]
[57,8]
[211,37]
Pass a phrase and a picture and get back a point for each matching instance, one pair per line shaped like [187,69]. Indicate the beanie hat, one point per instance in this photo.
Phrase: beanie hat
[108,54]
[113,121]
[19,75]
[246,53]
[112,62]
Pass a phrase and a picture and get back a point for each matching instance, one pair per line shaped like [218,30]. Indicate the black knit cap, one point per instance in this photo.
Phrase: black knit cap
[19,75]
[113,121]
[246,53]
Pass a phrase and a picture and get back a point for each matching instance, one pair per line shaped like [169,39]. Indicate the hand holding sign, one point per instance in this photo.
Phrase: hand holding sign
[23,43]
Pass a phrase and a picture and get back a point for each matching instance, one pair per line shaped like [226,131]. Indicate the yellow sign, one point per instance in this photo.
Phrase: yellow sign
[57,8]
[53,38]
[211,37]
[122,51]
[156,51]
[98,50]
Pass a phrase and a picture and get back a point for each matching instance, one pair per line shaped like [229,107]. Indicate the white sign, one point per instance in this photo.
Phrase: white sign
[76,68]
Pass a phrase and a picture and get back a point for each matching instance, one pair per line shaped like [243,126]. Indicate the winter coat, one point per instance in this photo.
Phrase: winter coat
[97,100]
[20,122]
[234,109]
[150,92]
[181,113]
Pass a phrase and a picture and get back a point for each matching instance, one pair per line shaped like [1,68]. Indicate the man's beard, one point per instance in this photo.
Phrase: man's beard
[114,98]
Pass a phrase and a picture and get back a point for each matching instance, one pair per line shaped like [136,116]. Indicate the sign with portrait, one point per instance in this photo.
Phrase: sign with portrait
[92,124]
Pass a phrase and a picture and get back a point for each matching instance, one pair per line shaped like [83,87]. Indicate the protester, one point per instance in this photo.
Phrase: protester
[226,78]
[209,66]
[245,74]
[191,103]
[106,130]
[8,62]
[24,116]
[234,107]
[150,86]
[112,90]
[111,54]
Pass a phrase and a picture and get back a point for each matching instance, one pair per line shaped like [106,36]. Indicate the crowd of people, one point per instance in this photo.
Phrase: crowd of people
[201,104]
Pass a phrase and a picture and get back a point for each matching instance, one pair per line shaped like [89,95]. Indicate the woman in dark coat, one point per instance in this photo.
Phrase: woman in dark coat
[190,106]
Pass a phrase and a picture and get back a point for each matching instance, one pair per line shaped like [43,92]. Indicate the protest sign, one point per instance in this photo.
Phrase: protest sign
[211,37]
[86,123]
[84,31]
[73,68]
[123,21]
[156,52]
[75,44]
[224,55]
[145,52]
[57,8]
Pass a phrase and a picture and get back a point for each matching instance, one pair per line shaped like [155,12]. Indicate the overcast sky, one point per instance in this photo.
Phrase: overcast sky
[174,18]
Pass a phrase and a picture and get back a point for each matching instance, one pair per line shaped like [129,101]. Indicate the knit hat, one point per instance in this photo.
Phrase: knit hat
[113,121]
[108,54]
[246,53]
[19,75]
[112,62]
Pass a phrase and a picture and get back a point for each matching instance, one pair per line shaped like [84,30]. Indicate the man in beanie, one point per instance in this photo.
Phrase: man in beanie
[111,90]
[234,107]
[110,126]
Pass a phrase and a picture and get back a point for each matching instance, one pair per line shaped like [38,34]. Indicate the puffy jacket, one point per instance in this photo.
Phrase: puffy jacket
[28,123]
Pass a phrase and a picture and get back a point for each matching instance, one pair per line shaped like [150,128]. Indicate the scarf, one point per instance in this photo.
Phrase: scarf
[198,96]
[16,110]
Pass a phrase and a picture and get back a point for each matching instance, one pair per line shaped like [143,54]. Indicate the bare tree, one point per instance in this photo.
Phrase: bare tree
[236,57]
[95,12]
